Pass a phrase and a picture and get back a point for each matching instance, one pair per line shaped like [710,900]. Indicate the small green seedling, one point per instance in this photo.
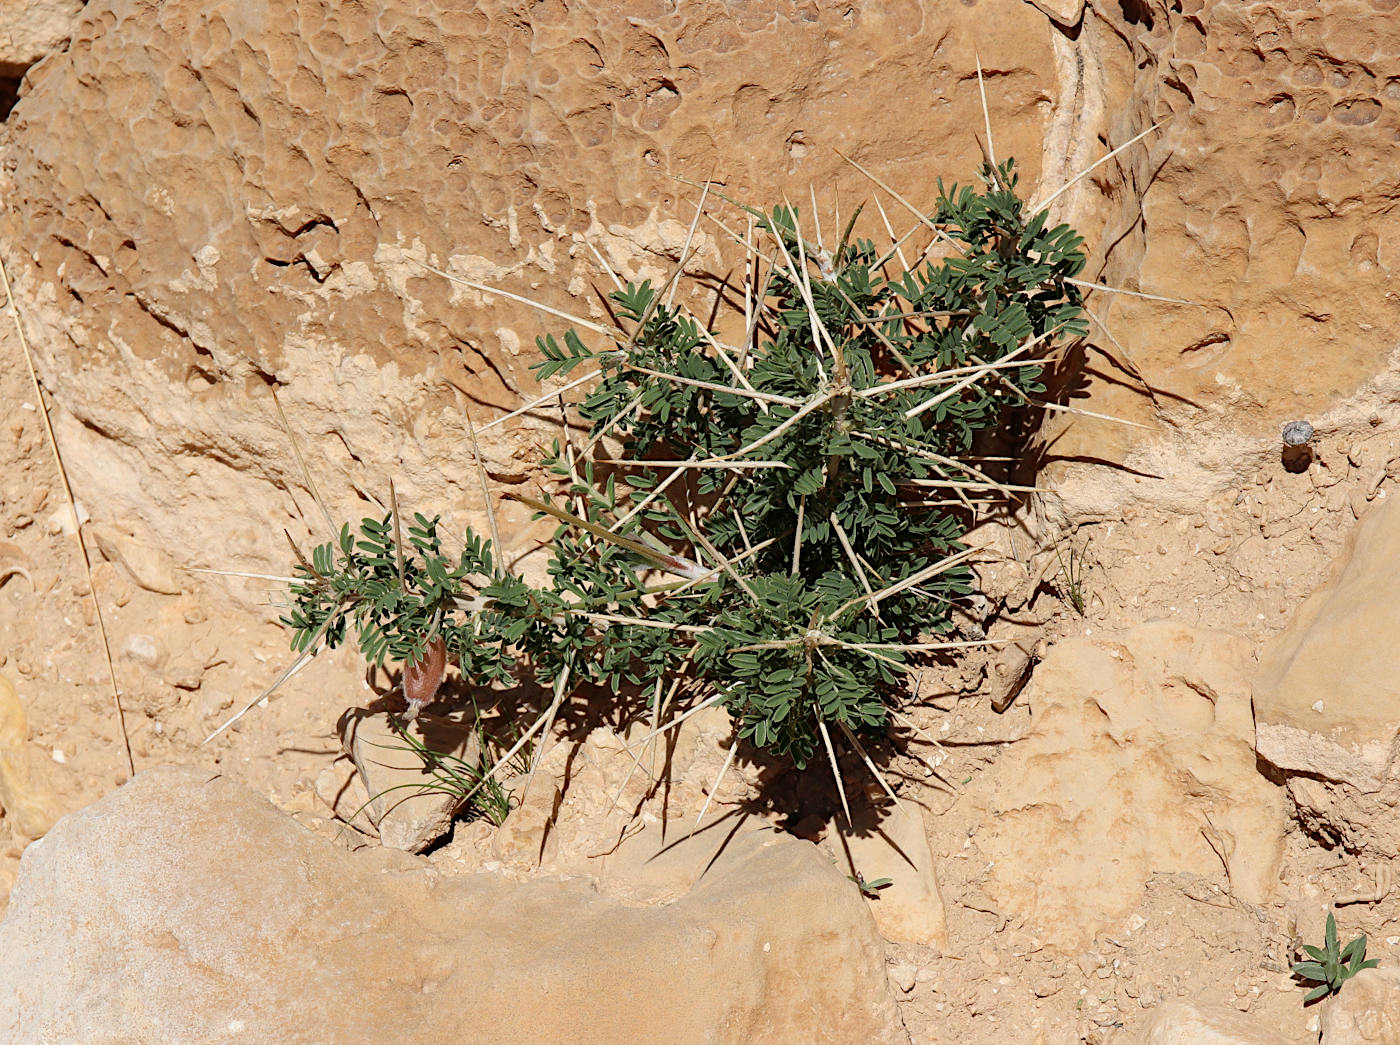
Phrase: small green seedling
[1332,966]
[870,889]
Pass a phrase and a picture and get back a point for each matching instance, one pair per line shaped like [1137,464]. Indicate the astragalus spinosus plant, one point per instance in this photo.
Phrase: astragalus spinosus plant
[780,531]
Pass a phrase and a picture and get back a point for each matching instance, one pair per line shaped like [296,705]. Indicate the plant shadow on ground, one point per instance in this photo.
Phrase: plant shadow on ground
[802,804]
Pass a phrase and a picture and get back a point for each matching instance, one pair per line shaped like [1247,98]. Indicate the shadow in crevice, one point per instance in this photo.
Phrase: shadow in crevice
[9,90]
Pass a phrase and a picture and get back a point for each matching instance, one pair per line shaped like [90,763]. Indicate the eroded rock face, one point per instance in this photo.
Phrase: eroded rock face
[1269,204]
[1327,695]
[184,908]
[213,198]
[212,201]
[1140,759]
[1264,200]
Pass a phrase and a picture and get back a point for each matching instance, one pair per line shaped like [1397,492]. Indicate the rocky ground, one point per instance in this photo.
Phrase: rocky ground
[1074,909]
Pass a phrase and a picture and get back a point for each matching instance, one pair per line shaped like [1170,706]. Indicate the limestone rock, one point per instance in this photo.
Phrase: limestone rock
[26,795]
[1186,1023]
[269,186]
[661,863]
[621,809]
[1065,12]
[1327,694]
[1009,667]
[149,567]
[339,786]
[411,802]
[1366,1011]
[529,838]
[586,799]
[1139,759]
[893,843]
[1262,198]
[904,975]
[230,920]
[31,29]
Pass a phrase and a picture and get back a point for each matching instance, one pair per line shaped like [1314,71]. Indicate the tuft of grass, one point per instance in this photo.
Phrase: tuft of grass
[1332,965]
[477,786]
[1072,576]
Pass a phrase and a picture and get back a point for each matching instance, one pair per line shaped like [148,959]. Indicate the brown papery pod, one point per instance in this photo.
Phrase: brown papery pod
[421,680]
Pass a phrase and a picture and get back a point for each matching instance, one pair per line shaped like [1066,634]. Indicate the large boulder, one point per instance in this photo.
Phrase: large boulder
[183,908]
[1327,694]
[1366,1011]
[1139,759]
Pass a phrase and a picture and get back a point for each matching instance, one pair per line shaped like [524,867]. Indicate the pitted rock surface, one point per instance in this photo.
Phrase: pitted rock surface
[215,197]
[1264,201]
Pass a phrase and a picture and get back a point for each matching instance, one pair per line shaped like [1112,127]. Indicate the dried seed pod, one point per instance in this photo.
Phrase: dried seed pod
[421,680]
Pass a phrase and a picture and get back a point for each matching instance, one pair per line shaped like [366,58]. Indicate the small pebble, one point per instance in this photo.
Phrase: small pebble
[142,649]
[904,975]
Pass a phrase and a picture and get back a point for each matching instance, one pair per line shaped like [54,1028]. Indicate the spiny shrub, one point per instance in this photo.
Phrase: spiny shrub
[781,527]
